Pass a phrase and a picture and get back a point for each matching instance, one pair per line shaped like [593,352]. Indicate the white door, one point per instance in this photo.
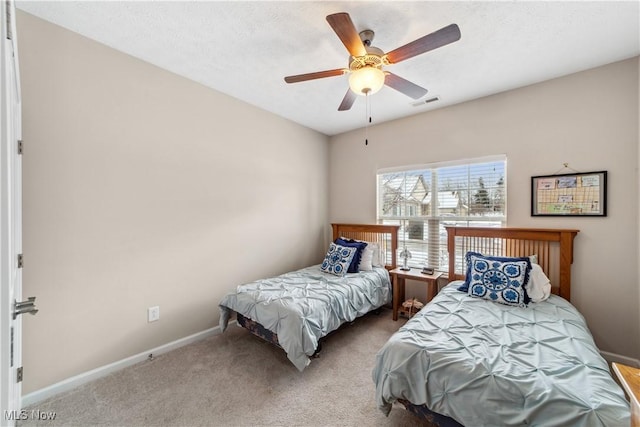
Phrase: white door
[10,221]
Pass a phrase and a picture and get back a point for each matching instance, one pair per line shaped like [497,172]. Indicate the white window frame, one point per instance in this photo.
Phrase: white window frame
[435,249]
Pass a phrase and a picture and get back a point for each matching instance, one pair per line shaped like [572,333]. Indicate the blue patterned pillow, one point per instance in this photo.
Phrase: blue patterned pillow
[338,259]
[355,262]
[498,279]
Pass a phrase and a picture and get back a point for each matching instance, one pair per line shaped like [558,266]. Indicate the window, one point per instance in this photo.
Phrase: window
[424,200]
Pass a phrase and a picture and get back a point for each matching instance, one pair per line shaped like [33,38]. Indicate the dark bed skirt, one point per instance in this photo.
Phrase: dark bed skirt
[434,418]
[260,331]
[257,329]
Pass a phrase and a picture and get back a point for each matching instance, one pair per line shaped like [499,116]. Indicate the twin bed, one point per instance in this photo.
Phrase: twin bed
[298,309]
[462,360]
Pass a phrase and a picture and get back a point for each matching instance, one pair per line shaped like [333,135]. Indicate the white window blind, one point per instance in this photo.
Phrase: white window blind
[426,199]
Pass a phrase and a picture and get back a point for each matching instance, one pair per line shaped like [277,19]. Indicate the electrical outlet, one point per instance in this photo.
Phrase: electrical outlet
[153,314]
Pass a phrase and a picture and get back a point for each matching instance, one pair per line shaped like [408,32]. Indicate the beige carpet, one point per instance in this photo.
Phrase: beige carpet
[237,379]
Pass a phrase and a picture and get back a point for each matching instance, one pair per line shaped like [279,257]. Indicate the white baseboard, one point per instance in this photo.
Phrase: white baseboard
[94,374]
[618,358]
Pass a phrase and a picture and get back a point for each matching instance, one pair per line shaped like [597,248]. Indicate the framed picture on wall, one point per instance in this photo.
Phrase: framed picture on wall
[571,194]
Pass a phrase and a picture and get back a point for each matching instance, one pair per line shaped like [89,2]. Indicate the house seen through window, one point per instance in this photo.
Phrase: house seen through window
[424,200]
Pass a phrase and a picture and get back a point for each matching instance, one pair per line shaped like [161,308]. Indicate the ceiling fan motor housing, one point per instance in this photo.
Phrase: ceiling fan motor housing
[374,58]
[367,37]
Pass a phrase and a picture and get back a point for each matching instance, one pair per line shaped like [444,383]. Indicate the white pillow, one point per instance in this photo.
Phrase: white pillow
[370,257]
[538,287]
[379,256]
[366,259]
[377,260]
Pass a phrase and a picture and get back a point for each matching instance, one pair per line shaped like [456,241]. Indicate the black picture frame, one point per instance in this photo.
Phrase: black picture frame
[569,194]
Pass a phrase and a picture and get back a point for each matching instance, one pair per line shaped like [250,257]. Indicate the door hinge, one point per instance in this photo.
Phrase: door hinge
[9,29]
[19,374]
[11,365]
[20,261]
[20,147]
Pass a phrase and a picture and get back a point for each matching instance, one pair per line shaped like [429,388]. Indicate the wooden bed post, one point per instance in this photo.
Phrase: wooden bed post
[566,254]
[451,246]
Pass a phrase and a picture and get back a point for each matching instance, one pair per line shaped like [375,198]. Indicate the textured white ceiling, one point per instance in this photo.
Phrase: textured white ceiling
[245,49]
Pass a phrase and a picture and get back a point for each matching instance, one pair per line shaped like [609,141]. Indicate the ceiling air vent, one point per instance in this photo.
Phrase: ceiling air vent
[426,101]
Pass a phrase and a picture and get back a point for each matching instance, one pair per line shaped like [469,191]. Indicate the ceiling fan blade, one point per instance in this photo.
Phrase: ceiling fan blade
[405,86]
[316,75]
[346,31]
[442,37]
[347,101]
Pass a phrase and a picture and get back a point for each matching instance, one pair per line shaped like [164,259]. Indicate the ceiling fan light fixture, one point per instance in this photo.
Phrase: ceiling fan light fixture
[366,80]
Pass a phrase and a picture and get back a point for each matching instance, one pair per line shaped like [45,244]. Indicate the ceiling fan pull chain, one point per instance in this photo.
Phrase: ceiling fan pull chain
[367,112]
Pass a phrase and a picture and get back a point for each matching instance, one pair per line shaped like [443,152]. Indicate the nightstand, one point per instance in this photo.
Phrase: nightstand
[630,379]
[398,276]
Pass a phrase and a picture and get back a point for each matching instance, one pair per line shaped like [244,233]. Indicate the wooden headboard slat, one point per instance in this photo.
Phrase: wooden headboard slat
[553,247]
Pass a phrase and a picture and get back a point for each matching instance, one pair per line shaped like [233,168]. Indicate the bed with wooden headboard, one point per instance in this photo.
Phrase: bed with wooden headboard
[552,247]
[298,309]
[385,236]
[466,359]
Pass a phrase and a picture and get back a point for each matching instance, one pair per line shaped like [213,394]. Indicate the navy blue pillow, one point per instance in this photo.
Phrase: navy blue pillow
[464,286]
[355,262]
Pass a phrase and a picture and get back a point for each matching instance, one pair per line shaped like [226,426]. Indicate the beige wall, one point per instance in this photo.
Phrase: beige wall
[143,188]
[589,120]
[128,200]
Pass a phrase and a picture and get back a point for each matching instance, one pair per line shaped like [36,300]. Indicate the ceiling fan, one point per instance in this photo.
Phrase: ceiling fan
[366,62]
